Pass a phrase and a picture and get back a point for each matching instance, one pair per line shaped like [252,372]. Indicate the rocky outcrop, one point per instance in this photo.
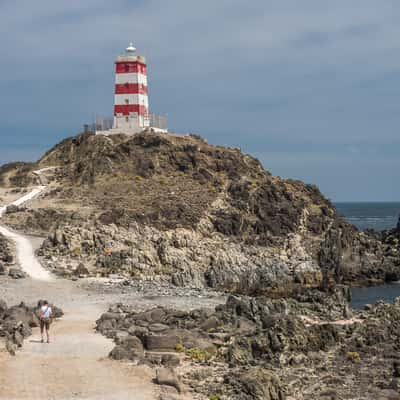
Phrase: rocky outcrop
[191,258]
[169,205]
[18,174]
[310,347]
[7,261]
[6,255]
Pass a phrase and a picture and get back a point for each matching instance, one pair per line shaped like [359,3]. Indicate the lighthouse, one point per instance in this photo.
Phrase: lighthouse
[131,102]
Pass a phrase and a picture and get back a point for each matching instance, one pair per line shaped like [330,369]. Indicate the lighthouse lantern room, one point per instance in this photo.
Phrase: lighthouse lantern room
[131,104]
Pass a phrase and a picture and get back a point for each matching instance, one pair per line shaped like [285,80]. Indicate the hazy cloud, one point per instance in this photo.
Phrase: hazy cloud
[308,84]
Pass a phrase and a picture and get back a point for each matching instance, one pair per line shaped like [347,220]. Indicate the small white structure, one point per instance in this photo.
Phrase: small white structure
[131,101]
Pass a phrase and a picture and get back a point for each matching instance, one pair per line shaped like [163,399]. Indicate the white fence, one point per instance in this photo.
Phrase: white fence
[104,124]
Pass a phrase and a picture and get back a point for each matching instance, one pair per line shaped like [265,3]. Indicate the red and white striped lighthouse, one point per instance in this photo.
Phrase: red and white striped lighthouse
[131,104]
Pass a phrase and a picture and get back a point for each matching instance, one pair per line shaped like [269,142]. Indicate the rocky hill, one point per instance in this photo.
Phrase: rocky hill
[173,207]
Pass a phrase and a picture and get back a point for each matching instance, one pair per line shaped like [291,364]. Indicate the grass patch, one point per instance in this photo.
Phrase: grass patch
[198,355]
[353,356]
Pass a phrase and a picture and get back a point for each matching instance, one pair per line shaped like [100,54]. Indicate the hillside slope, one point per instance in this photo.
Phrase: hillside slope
[165,206]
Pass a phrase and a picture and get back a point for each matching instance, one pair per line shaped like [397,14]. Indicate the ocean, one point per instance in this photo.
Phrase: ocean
[378,216]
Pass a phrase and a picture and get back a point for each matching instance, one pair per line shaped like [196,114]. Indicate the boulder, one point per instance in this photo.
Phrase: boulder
[120,353]
[129,348]
[18,338]
[257,384]
[139,331]
[81,270]
[3,269]
[11,347]
[157,328]
[11,209]
[22,313]
[170,360]
[132,343]
[106,327]
[168,377]
[3,307]
[16,273]
[161,343]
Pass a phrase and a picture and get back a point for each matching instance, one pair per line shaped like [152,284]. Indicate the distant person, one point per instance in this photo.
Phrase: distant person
[45,320]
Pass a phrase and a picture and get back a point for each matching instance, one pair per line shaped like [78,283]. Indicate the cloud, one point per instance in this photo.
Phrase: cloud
[263,75]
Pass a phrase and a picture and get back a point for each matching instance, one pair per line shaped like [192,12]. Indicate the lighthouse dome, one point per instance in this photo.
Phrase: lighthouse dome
[130,49]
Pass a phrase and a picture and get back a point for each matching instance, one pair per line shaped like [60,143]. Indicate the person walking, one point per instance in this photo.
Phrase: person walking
[45,320]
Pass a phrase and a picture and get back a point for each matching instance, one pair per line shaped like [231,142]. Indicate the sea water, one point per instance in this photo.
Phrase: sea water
[378,216]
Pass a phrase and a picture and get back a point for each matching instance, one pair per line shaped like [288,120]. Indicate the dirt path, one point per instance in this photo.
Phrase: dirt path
[75,364]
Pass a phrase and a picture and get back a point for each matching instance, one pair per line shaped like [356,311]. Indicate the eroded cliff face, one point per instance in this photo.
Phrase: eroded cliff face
[174,206]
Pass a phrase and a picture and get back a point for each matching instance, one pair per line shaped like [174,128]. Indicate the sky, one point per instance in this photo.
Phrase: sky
[311,88]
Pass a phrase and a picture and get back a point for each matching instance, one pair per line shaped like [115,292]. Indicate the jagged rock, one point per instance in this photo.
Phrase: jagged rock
[168,377]
[256,384]
[170,360]
[81,270]
[22,313]
[13,209]
[129,348]
[233,226]
[11,347]
[156,328]
[161,343]
[3,308]
[3,269]
[16,273]
[18,338]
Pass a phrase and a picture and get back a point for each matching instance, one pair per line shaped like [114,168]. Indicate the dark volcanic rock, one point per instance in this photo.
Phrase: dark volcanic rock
[167,376]
[6,255]
[16,323]
[264,348]
[161,343]
[255,384]
[16,273]
[13,209]
[130,348]
[198,214]
[156,204]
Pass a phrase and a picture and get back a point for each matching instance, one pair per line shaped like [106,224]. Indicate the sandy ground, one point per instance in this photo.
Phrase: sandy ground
[74,364]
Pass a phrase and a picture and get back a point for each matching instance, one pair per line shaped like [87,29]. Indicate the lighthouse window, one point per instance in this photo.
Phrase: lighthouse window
[127,119]
[126,67]
[126,101]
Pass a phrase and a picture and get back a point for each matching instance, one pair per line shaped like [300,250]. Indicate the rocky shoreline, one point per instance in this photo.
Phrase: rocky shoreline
[310,347]
[173,207]
[158,215]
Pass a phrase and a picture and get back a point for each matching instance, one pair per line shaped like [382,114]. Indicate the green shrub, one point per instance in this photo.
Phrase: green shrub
[353,356]
[179,348]
[76,251]
[198,355]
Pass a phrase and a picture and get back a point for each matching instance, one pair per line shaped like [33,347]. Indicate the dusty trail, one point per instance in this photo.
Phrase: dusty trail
[74,365]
